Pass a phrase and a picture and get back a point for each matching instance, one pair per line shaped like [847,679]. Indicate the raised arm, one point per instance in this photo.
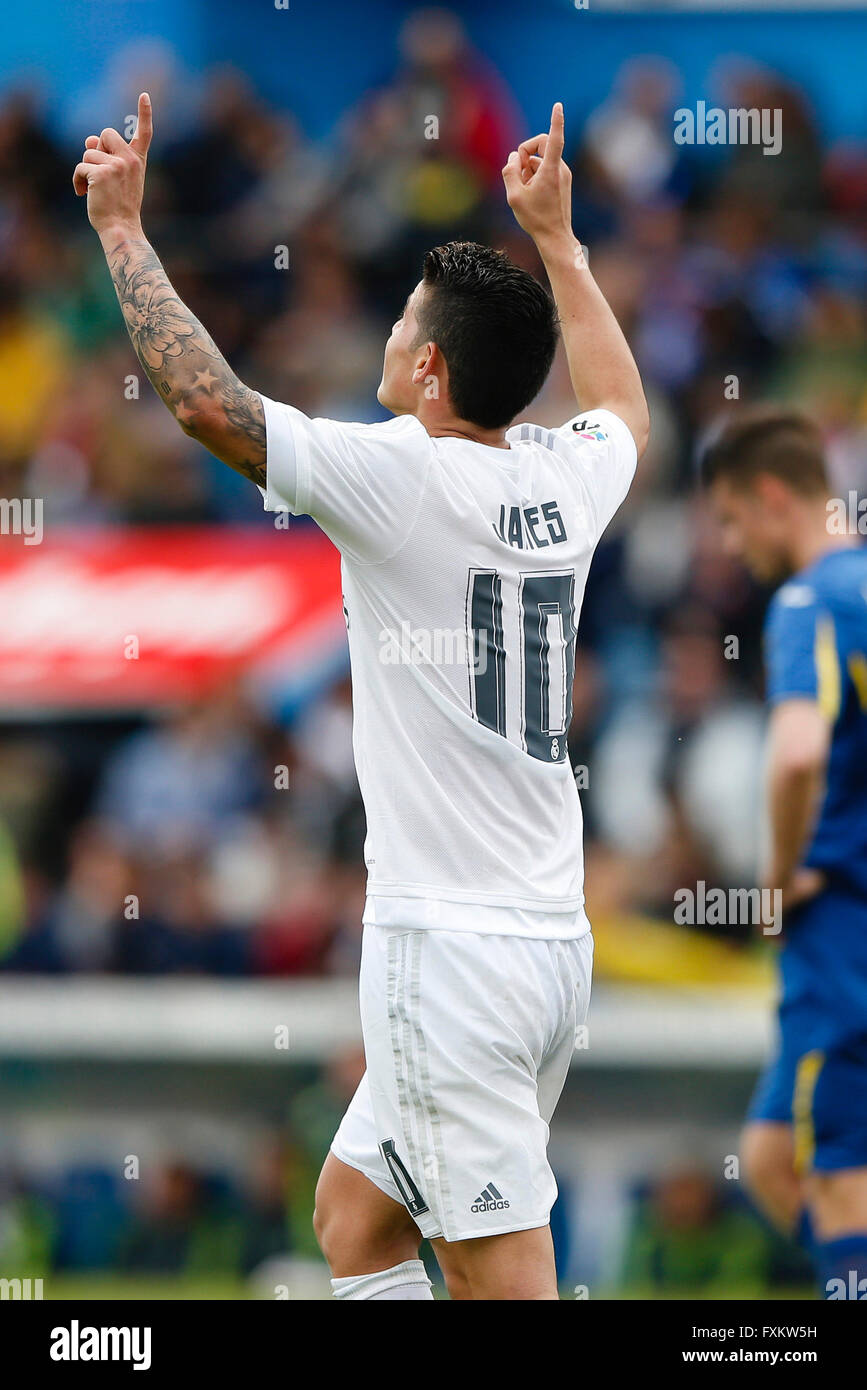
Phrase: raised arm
[602,368]
[182,362]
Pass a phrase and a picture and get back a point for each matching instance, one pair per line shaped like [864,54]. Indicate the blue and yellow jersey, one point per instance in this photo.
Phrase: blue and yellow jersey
[816,647]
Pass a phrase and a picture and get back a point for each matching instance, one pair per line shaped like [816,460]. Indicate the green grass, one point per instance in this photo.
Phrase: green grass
[112,1286]
[84,1288]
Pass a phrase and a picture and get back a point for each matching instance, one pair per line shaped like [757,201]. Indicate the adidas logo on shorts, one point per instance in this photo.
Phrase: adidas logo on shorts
[489,1200]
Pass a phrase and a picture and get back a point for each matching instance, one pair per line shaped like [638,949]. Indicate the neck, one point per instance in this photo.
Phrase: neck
[814,540]
[448,427]
[494,438]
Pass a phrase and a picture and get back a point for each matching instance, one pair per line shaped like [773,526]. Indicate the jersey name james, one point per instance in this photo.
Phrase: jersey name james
[519,526]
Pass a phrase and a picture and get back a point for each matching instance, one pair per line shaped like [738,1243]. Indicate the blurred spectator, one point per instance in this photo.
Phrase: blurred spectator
[675,776]
[687,1238]
[314,1114]
[267,1229]
[76,928]
[182,784]
[183,1226]
[629,137]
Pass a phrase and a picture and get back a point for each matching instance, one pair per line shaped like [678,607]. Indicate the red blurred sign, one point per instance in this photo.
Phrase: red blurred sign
[133,616]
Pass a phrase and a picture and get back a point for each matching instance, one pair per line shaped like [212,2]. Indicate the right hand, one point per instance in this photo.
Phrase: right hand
[804,885]
[112,174]
[539,183]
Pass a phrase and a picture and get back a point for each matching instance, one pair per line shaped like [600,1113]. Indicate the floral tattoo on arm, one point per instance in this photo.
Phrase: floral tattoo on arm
[184,365]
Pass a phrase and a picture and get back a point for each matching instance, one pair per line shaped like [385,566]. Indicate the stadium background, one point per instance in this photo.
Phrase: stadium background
[180,833]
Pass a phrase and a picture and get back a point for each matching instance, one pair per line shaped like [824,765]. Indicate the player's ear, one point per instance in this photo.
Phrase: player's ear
[426,358]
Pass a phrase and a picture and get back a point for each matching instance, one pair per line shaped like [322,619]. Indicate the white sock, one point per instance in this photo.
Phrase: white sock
[406,1281]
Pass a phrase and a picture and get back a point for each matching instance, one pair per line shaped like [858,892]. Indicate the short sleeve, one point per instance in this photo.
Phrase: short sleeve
[604,454]
[801,649]
[363,484]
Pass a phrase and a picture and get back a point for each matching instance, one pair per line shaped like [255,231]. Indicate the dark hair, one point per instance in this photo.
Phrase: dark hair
[495,326]
[768,439]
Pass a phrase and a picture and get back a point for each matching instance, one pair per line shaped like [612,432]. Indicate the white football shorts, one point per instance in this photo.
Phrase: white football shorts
[468,1040]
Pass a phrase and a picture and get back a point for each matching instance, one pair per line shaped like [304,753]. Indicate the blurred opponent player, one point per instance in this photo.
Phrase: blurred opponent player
[465,551]
[805,1142]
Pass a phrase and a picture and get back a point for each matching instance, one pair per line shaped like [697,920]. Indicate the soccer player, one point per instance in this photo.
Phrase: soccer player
[465,550]
[805,1141]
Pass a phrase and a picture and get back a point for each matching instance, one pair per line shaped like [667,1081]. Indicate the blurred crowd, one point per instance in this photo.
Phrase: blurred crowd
[192,1209]
[186,1220]
[212,842]
[241,1210]
[173,843]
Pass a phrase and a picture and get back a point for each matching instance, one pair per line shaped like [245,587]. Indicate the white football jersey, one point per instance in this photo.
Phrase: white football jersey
[464,567]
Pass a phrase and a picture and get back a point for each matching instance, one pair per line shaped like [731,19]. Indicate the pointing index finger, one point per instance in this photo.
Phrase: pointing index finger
[556,136]
[144,126]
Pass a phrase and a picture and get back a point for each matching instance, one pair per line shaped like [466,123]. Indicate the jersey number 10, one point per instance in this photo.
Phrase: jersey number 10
[546,604]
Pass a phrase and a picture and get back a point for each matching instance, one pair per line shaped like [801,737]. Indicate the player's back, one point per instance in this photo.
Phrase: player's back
[464,567]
